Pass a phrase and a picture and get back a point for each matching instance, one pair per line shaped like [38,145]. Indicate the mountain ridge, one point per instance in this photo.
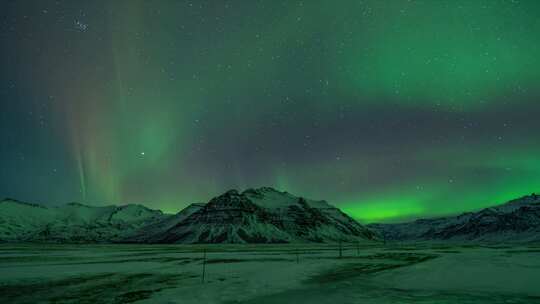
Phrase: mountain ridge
[262,215]
[517,220]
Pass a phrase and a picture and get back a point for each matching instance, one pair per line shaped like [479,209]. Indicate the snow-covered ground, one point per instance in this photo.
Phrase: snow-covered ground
[268,274]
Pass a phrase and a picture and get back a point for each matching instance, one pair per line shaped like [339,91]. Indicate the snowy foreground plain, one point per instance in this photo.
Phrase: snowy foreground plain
[269,274]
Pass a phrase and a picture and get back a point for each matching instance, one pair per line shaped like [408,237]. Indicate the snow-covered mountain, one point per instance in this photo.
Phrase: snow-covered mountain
[261,215]
[265,215]
[516,221]
[72,222]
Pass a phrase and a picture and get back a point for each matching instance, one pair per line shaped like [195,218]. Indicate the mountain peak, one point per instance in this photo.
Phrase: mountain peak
[232,192]
[262,191]
[77,204]
[7,199]
[268,189]
[263,215]
[14,201]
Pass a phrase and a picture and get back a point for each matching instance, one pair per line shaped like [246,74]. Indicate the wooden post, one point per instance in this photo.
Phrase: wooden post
[204,265]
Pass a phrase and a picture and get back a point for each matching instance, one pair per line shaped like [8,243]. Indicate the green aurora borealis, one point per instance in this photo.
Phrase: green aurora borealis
[387,109]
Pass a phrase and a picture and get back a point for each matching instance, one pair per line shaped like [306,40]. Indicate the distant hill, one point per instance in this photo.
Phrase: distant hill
[515,221]
[262,215]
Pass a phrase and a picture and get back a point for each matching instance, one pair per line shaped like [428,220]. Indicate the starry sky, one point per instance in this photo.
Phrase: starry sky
[390,110]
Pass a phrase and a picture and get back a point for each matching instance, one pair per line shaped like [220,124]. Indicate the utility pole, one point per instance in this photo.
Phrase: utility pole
[204,265]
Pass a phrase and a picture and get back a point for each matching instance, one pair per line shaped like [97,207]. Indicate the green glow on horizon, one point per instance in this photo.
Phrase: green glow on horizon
[383,210]
[403,205]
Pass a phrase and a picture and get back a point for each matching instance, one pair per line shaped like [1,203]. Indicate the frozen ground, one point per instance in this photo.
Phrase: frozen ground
[268,274]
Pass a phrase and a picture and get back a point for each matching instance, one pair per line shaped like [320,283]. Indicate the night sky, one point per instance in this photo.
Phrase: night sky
[390,110]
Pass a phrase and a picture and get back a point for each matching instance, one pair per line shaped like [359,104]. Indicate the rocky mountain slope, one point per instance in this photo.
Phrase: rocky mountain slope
[515,221]
[265,215]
